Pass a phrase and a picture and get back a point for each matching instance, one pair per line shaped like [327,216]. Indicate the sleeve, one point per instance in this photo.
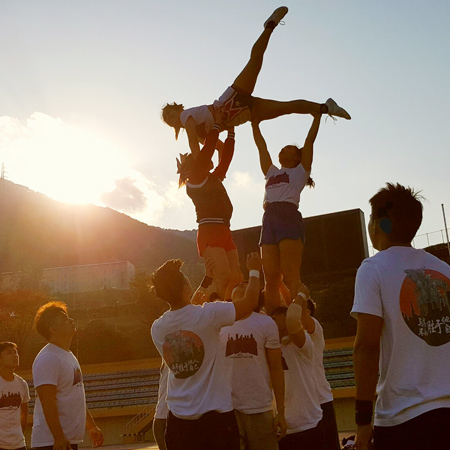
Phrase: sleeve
[221,314]
[367,291]
[25,391]
[271,172]
[46,370]
[272,335]
[156,336]
[203,162]
[307,351]
[225,160]
[317,335]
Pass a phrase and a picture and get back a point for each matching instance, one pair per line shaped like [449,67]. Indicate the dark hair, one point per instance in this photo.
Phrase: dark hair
[168,107]
[279,310]
[46,315]
[168,281]
[402,209]
[5,345]
[213,297]
[311,306]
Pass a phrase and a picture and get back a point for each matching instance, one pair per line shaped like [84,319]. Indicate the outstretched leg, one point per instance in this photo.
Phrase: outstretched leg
[264,109]
[246,80]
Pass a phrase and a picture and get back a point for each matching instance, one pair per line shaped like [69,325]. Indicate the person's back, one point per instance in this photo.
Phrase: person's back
[402,308]
[187,338]
[193,357]
[413,300]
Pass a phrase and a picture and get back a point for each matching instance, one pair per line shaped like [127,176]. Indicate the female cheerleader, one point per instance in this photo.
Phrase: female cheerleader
[283,229]
[237,103]
[213,208]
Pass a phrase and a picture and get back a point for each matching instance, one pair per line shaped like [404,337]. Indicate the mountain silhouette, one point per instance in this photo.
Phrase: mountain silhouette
[37,232]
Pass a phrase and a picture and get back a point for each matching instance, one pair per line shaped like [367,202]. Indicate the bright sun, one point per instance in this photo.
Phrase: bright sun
[64,162]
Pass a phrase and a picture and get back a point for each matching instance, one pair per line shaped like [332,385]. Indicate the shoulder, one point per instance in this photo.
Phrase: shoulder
[197,113]
[46,356]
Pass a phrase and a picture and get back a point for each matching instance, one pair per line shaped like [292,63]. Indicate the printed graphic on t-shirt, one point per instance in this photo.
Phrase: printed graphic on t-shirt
[241,346]
[77,377]
[277,179]
[11,400]
[425,305]
[183,352]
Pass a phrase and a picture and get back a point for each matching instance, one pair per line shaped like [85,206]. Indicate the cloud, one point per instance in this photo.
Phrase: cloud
[126,197]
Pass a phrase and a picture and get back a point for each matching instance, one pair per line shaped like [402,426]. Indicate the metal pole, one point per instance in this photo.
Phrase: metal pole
[446,231]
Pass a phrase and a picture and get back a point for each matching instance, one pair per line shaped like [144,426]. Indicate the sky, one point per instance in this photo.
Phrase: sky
[82,85]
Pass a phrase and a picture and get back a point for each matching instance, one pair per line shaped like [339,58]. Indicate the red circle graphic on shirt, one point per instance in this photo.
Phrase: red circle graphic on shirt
[425,305]
[183,352]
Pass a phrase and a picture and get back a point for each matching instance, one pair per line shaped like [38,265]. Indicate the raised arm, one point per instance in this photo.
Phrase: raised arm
[264,156]
[307,153]
[226,156]
[193,138]
[249,302]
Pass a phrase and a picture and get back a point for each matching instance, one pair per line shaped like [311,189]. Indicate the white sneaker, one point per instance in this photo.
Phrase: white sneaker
[335,110]
[277,15]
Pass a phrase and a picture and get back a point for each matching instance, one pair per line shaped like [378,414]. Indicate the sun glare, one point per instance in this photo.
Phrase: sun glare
[62,161]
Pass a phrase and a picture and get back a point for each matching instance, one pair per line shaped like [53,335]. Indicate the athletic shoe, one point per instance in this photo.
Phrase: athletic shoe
[335,110]
[276,16]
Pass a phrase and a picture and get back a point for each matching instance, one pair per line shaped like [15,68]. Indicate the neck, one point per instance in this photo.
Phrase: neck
[182,304]
[61,342]
[386,245]
[7,373]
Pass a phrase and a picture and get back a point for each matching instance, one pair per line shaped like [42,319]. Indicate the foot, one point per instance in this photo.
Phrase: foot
[335,110]
[276,17]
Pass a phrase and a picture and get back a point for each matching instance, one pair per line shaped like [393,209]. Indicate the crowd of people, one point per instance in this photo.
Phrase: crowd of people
[242,367]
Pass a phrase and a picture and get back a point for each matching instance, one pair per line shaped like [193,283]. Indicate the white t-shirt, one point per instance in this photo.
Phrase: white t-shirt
[188,340]
[244,344]
[410,290]
[323,387]
[12,395]
[285,185]
[58,367]
[200,114]
[162,410]
[302,407]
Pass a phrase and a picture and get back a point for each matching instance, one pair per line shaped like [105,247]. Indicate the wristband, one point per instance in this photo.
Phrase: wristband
[302,295]
[206,282]
[216,126]
[231,135]
[253,273]
[363,412]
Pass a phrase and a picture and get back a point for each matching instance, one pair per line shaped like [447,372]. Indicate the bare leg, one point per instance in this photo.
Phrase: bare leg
[236,274]
[272,276]
[264,109]
[221,268]
[290,263]
[246,80]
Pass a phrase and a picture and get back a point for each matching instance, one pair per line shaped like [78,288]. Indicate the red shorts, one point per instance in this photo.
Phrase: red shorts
[214,235]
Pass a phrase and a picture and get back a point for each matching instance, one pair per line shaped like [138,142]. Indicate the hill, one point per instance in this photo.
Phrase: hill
[37,232]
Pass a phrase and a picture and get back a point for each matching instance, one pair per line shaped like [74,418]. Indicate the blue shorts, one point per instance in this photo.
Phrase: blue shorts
[281,220]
